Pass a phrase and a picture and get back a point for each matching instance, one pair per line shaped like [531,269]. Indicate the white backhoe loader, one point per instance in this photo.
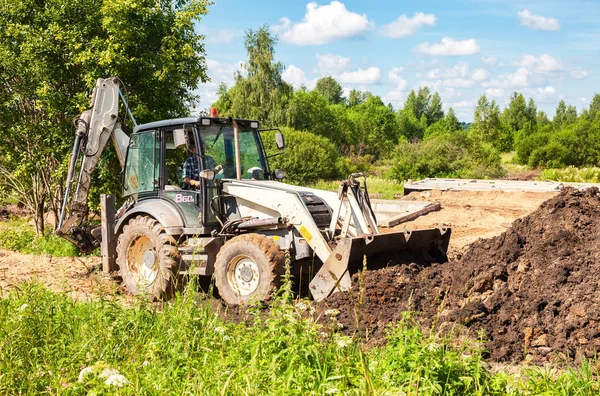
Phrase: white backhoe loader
[236,222]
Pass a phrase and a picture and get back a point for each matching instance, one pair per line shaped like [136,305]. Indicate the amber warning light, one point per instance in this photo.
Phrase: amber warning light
[214,112]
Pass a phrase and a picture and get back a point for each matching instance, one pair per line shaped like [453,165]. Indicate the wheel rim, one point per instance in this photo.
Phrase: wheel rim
[243,275]
[142,260]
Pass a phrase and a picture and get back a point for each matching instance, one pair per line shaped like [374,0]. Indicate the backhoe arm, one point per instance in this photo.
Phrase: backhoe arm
[94,127]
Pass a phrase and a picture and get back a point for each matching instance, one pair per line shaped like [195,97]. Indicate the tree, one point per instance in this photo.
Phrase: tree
[375,125]
[51,54]
[594,108]
[354,98]
[330,89]
[488,125]
[451,121]
[259,91]
[516,115]
[434,109]
[309,111]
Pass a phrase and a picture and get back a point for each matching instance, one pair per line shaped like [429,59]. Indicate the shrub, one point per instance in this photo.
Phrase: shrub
[307,157]
[451,155]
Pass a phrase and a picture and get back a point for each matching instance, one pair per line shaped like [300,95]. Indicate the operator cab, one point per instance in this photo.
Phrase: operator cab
[163,155]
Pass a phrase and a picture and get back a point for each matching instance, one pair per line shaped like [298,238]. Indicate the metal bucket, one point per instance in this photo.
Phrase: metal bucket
[423,246]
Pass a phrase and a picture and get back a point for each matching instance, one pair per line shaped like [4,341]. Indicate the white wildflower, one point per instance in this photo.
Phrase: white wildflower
[301,306]
[340,325]
[343,342]
[323,334]
[219,330]
[145,363]
[116,380]
[312,310]
[84,373]
[23,307]
[433,346]
[107,372]
[332,312]
[226,338]
[331,391]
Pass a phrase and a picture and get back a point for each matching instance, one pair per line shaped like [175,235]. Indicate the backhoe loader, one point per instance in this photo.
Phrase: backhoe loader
[236,223]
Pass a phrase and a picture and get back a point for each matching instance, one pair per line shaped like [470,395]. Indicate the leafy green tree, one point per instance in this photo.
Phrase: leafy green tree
[541,118]
[451,121]
[375,124]
[408,125]
[435,112]
[259,91]
[308,158]
[51,54]
[516,114]
[488,125]
[354,98]
[309,111]
[330,89]
[594,108]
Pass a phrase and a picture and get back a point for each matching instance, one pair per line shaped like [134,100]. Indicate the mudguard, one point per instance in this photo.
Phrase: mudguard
[163,211]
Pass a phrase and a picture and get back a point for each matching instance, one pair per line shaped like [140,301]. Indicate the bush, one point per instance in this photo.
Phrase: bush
[18,235]
[307,157]
[451,155]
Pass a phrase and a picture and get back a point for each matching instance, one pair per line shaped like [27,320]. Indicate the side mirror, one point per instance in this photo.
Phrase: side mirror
[180,138]
[208,174]
[279,140]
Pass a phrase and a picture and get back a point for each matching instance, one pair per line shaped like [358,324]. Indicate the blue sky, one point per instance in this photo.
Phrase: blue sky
[548,50]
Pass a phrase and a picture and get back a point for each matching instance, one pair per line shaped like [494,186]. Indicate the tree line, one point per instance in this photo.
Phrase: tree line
[418,140]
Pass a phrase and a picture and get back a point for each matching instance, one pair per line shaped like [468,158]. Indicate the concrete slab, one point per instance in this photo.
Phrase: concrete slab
[391,212]
[489,185]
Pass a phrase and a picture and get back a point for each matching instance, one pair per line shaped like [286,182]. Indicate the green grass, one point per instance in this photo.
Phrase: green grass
[16,234]
[51,344]
[387,188]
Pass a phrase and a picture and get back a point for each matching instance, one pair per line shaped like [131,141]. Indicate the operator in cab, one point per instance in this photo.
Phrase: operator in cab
[191,168]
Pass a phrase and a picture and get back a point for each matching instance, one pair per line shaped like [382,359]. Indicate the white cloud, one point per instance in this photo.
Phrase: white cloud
[518,79]
[405,27]
[295,76]
[323,24]
[545,63]
[458,83]
[494,92]
[491,61]
[367,76]
[458,70]
[395,97]
[395,78]
[463,104]
[218,72]
[537,22]
[329,64]
[449,47]
[544,94]
[580,74]
[221,36]
[480,75]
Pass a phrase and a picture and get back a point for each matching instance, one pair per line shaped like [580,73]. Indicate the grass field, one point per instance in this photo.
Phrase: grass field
[51,344]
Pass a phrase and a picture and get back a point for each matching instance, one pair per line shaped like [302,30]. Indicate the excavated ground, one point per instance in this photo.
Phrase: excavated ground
[534,289]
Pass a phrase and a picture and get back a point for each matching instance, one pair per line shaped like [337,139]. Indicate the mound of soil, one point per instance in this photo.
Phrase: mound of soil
[534,290]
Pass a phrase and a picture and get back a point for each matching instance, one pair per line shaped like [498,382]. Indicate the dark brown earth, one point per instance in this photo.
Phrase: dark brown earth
[534,290]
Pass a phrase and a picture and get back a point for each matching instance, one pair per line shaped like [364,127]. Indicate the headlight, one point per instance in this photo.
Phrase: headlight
[279,174]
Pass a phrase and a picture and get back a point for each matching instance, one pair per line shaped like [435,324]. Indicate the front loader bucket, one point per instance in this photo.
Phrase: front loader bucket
[421,246]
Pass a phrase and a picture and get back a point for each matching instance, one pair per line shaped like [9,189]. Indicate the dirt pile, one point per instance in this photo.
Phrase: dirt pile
[534,290]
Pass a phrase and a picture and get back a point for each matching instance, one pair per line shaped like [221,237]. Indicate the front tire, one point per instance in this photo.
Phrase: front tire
[148,259]
[248,268]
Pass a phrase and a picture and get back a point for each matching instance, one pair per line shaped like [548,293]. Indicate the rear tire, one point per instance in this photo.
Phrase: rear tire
[148,259]
[248,268]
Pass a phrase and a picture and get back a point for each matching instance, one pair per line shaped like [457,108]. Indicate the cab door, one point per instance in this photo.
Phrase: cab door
[173,188]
